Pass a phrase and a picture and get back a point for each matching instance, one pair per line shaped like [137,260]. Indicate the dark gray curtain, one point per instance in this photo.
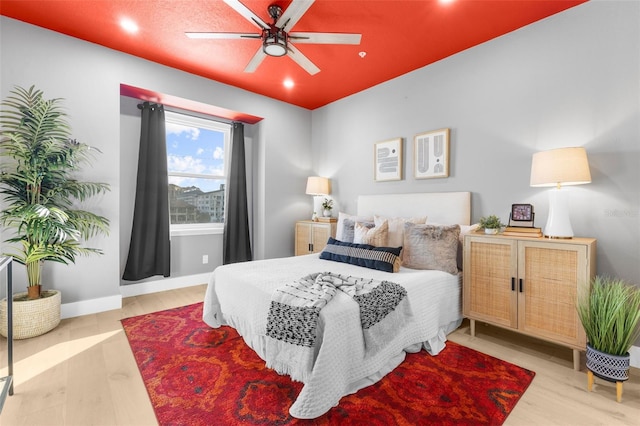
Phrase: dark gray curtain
[236,246]
[149,250]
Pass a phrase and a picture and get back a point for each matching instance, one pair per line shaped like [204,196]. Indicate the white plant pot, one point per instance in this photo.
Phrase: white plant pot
[491,231]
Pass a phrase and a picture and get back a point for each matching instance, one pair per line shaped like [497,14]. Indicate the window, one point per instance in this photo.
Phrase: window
[196,152]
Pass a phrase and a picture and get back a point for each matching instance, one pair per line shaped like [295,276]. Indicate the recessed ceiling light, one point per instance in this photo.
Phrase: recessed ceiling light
[362,54]
[288,83]
[128,25]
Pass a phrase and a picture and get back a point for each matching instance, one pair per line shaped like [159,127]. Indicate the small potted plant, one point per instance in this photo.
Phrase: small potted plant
[610,315]
[327,206]
[491,224]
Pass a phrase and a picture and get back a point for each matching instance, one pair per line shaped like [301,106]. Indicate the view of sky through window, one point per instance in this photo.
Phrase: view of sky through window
[195,150]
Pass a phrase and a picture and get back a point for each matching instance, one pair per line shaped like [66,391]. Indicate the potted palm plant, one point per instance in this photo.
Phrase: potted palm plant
[40,199]
[610,315]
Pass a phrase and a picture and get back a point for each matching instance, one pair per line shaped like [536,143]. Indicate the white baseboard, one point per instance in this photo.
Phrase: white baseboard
[148,287]
[634,352]
[92,306]
[102,304]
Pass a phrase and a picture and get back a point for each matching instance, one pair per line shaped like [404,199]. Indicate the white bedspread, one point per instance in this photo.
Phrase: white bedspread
[239,295]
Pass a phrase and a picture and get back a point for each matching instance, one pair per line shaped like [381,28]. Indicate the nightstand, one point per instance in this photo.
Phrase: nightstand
[312,237]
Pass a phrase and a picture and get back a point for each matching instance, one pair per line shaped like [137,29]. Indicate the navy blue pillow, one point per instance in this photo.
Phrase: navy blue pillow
[381,258]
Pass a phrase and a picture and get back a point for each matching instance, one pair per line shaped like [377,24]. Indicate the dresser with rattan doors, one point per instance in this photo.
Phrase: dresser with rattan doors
[529,285]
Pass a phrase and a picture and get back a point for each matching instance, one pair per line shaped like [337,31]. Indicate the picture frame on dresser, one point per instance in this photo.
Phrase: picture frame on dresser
[387,160]
[521,216]
[431,154]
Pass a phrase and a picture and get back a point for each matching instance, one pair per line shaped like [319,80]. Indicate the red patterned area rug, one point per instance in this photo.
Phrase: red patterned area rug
[196,375]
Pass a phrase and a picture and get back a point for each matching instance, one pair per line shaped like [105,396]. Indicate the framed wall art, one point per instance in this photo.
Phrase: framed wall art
[431,154]
[387,160]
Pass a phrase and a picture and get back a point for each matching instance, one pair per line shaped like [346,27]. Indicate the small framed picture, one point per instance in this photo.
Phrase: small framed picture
[387,160]
[431,154]
[521,215]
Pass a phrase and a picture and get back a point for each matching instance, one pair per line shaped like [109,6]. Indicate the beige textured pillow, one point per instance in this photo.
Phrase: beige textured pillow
[396,227]
[464,230]
[431,247]
[376,236]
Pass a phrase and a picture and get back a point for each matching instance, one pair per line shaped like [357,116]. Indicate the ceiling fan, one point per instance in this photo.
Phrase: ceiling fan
[276,38]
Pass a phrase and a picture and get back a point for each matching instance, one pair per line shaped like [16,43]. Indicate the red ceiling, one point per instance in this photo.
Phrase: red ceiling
[398,36]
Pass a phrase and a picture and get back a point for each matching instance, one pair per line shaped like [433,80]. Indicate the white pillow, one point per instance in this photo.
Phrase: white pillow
[340,225]
[396,227]
[376,236]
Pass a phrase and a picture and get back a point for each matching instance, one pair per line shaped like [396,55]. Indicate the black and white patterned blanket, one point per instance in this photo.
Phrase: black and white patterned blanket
[292,322]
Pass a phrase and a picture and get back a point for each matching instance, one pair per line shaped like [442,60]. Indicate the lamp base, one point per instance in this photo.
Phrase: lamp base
[558,224]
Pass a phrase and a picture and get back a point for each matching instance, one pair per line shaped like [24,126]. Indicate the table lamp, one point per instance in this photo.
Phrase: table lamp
[317,186]
[557,168]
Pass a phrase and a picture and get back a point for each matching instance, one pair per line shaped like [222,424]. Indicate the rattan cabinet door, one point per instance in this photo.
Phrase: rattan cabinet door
[303,237]
[321,233]
[490,268]
[312,237]
[552,275]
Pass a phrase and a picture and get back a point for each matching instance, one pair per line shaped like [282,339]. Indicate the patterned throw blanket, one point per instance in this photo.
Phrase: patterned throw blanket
[292,324]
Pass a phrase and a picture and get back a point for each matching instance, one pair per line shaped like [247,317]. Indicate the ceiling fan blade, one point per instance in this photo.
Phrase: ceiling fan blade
[255,61]
[247,14]
[292,15]
[325,38]
[221,36]
[302,60]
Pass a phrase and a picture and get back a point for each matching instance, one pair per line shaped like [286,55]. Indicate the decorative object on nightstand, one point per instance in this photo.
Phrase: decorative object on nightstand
[528,285]
[521,222]
[610,315]
[327,205]
[521,216]
[491,224]
[312,237]
[558,167]
[317,186]
[514,231]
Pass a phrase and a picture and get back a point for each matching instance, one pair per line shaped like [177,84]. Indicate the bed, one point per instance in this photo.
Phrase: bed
[239,295]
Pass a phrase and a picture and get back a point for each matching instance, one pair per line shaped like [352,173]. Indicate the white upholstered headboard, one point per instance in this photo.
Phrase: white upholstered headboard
[439,207]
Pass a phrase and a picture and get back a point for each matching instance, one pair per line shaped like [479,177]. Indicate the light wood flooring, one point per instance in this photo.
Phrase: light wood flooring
[83,373]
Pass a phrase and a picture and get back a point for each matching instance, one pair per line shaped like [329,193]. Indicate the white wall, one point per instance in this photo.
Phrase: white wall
[88,76]
[569,80]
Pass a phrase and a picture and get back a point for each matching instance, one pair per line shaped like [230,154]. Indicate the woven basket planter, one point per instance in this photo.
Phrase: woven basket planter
[613,368]
[32,318]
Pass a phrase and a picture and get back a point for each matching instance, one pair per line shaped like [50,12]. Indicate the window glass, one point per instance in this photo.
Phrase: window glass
[196,153]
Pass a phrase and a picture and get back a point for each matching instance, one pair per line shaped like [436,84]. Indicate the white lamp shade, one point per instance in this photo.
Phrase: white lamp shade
[317,185]
[563,166]
[558,167]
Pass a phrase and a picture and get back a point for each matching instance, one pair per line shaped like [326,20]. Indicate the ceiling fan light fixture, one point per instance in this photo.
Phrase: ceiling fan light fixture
[275,44]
